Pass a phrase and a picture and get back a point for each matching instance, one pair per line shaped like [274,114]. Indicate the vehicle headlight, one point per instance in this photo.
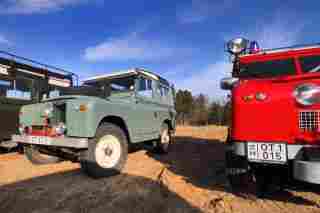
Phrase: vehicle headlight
[237,45]
[307,94]
[21,129]
[60,129]
[48,111]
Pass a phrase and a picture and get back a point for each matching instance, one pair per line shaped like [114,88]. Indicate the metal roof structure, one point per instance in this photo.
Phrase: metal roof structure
[123,74]
[285,49]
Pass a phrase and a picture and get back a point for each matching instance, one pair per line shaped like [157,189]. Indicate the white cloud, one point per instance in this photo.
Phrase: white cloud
[200,10]
[207,80]
[276,33]
[35,6]
[282,30]
[130,47]
[4,40]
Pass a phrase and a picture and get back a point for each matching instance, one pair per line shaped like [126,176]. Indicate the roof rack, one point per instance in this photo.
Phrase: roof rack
[294,47]
[283,49]
[42,65]
[126,73]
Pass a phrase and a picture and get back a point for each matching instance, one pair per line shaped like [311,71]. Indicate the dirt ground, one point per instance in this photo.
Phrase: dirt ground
[191,178]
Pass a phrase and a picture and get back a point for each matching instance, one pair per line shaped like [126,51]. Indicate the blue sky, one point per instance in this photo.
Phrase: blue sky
[181,40]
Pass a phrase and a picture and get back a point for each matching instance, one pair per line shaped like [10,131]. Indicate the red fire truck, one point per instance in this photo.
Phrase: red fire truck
[275,131]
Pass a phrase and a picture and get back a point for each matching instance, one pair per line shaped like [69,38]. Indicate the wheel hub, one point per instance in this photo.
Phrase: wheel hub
[108,151]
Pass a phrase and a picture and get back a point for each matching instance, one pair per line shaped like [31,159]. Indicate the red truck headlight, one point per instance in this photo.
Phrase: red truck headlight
[307,94]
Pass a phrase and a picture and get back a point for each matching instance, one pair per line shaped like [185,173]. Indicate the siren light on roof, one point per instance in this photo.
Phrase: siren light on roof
[254,47]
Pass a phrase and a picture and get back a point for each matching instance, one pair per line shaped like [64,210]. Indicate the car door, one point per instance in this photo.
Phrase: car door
[145,109]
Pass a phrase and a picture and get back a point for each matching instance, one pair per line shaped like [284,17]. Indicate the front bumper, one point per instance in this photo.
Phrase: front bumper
[303,170]
[240,148]
[51,141]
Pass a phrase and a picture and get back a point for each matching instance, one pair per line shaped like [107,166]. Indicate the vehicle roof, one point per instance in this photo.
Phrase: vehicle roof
[127,73]
[281,53]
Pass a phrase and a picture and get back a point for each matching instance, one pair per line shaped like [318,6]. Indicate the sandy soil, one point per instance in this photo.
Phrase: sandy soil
[191,178]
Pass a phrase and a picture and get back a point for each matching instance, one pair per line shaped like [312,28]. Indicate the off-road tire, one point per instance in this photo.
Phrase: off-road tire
[165,140]
[92,161]
[35,157]
[269,179]
[238,174]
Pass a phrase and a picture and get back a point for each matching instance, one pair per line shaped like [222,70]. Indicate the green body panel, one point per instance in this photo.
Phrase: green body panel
[142,115]
[143,118]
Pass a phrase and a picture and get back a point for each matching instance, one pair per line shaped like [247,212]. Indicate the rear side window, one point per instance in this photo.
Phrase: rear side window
[164,91]
[268,69]
[310,64]
[145,87]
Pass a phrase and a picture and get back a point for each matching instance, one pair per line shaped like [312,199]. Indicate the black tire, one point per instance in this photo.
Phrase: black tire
[165,140]
[110,142]
[35,157]
[238,173]
[269,179]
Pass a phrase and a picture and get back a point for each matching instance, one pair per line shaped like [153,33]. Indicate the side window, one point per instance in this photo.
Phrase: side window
[164,91]
[310,63]
[145,88]
[22,89]
[5,85]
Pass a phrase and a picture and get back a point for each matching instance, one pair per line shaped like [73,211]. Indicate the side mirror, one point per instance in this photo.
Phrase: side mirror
[228,83]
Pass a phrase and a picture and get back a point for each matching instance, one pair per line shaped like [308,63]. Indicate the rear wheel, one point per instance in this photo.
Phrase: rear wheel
[107,152]
[36,157]
[165,140]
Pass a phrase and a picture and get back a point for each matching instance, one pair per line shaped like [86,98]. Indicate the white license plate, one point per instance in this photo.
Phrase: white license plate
[41,140]
[267,152]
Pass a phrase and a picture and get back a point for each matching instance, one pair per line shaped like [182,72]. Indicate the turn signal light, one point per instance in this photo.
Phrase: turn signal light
[83,108]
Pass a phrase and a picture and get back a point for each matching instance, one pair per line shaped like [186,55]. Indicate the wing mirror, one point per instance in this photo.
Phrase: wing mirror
[228,83]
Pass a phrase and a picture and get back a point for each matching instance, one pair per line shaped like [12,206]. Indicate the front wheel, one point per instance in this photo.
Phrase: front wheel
[33,154]
[237,170]
[107,152]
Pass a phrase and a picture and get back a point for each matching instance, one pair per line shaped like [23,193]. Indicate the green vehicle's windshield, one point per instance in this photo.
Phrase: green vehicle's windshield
[116,86]
[267,69]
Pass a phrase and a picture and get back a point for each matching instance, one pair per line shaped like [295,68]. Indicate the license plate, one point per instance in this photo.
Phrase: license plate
[267,152]
[41,140]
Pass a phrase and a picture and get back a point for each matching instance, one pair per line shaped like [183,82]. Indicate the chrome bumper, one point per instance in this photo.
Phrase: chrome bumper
[240,148]
[51,141]
[308,171]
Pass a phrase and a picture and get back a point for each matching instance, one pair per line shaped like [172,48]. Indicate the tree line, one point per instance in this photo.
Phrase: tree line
[198,110]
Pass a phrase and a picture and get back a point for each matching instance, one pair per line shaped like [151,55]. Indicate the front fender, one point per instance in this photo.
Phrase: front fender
[85,124]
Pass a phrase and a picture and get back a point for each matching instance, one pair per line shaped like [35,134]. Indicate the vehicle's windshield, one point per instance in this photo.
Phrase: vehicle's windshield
[267,69]
[117,85]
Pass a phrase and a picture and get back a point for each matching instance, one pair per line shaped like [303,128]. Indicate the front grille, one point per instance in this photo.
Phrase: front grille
[309,120]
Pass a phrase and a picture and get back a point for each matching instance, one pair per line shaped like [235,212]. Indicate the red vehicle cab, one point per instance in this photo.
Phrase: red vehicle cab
[275,112]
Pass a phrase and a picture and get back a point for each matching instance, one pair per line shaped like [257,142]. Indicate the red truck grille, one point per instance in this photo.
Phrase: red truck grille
[309,120]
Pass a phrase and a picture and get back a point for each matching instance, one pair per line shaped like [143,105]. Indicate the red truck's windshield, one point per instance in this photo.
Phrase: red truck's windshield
[277,67]
[267,69]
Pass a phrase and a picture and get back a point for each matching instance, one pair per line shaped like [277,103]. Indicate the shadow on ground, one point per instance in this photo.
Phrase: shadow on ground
[202,163]
[74,192]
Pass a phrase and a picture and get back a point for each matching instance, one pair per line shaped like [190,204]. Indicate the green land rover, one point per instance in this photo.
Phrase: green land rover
[95,124]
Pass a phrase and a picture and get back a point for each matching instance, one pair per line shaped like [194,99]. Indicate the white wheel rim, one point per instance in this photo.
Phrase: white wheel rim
[165,138]
[108,151]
